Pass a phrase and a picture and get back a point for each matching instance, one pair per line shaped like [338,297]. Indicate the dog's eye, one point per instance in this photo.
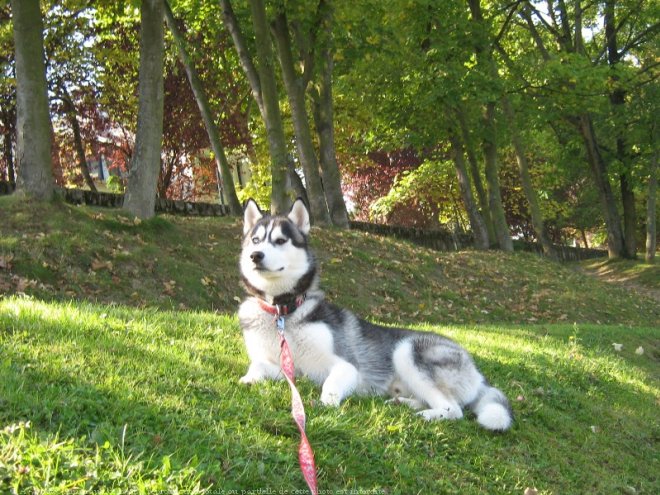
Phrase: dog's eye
[256,240]
[280,241]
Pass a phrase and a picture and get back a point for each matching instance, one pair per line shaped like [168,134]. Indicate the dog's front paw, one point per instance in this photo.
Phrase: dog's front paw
[448,413]
[331,399]
[249,379]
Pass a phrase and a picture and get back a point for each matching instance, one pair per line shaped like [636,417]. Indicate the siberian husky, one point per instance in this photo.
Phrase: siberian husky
[331,346]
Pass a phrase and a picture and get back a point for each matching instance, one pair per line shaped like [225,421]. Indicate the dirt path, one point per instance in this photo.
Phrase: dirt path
[608,273]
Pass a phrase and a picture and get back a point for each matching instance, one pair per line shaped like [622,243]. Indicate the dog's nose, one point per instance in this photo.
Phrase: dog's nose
[257,257]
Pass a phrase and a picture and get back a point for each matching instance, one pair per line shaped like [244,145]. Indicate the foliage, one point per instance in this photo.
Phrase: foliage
[402,72]
[429,190]
[114,184]
[370,176]
[259,185]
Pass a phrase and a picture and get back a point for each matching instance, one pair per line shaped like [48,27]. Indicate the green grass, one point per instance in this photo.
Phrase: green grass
[123,378]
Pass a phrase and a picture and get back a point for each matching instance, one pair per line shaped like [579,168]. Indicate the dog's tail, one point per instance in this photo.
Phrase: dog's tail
[492,408]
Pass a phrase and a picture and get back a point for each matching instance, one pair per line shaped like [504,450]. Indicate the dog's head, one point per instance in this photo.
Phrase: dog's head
[275,259]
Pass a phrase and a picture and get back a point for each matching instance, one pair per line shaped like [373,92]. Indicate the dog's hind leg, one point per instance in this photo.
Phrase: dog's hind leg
[423,387]
[411,403]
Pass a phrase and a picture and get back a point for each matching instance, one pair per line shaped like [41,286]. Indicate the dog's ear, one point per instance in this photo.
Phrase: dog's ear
[252,214]
[300,216]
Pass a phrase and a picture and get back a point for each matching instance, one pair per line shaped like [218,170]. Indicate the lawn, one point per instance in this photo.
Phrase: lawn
[123,378]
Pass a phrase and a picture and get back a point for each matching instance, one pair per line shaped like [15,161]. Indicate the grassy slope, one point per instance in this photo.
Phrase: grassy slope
[124,390]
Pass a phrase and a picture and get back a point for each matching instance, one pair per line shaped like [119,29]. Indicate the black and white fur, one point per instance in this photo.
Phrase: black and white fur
[345,354]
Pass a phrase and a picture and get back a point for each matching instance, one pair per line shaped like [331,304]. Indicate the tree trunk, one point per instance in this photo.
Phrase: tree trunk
[584,238]
[615,244]
[140,197]
[297,183]
[477,223]
[494,195]
[165,178]
[8,152]
[80,151]
[476,175]
[272,117]
[231,23]
[296,93]
[526,181]
[324,122]
[33,137]
[650,210]
[629,214]
[72,117]
[222,164]
[617,103]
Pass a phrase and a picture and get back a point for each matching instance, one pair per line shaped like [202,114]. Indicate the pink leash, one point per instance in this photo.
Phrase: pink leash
[305,452]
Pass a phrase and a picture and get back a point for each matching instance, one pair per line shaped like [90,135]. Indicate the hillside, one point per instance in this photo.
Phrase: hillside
[62,252]
[120,355]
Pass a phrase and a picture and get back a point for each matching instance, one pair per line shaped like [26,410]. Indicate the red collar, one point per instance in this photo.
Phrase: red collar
[282,309]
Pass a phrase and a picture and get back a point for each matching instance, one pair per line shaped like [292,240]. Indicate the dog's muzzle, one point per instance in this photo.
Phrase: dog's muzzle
[257,257]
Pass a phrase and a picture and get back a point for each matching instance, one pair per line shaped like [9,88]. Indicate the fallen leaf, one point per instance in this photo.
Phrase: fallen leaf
[97,265]
[169,287]
[617,347]
[5,261]
[530,491]
[639,351]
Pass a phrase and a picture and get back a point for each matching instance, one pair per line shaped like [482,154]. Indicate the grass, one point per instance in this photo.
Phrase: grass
[123,377]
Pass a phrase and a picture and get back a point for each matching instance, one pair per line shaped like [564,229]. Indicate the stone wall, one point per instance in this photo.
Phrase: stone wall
[6,187]
[440,240]
[564,253]
[111,200]
[443,240]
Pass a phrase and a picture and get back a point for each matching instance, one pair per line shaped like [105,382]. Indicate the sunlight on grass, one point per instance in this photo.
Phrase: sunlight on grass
[50,464]
[149,398]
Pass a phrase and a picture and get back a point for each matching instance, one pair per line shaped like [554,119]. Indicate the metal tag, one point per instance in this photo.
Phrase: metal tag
[280,323]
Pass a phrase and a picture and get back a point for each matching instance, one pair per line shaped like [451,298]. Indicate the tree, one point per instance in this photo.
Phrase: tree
[205,109]
[295,87]
[265,63]
[477,223]
[651,210]
[140,197]
[526,181]
[297,45]
[323,105]
[72,118]
[592,76]
[485,60]
[33,127]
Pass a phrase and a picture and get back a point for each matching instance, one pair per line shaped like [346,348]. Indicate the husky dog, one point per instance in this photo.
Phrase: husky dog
[331,346]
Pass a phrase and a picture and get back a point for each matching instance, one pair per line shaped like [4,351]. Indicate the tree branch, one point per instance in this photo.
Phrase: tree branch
[232,25]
